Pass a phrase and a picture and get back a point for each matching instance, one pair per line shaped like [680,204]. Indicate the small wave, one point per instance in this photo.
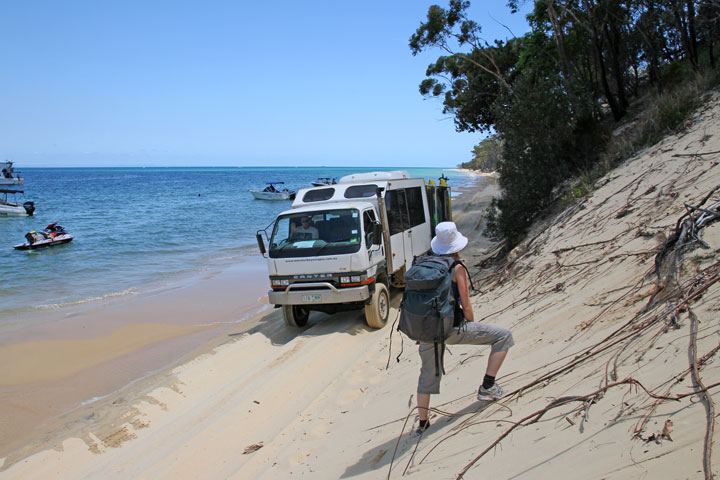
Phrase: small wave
[246,316]
[93,400]
[56,306]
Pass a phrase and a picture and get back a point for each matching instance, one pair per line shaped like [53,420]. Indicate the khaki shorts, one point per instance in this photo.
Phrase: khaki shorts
[471,333]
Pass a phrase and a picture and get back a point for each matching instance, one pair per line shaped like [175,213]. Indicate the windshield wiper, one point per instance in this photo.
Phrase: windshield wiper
[332,243]
[283,247]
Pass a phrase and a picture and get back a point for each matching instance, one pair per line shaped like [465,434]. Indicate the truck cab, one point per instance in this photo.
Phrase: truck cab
[341,246]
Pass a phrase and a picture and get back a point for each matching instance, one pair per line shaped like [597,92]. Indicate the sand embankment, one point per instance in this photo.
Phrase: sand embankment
[593,331]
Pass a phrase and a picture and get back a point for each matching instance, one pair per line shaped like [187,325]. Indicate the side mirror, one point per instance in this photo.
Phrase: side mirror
[377,234]
[261,243]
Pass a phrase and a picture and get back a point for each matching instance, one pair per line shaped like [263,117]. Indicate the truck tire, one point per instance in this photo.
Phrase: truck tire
[377,312]
[295,315]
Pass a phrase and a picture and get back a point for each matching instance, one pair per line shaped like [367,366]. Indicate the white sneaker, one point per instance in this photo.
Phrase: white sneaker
[490,394]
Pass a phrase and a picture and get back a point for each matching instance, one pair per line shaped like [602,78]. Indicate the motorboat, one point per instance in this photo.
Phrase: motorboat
[322,181]
[274,191]
[8,176]
[11,208]
[51,235]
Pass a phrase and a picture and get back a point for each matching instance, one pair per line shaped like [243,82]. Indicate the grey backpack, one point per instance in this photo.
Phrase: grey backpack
[428,310]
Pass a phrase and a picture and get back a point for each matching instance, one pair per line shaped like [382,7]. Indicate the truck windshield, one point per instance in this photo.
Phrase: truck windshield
[308,234]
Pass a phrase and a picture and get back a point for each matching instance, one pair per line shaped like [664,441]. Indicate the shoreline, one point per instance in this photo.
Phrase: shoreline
[124,347]
[57,369]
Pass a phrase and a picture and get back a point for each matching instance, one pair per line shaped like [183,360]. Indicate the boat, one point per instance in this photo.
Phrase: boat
[50,236]
[6,174]
[322,181]
[10,208]
[274,191]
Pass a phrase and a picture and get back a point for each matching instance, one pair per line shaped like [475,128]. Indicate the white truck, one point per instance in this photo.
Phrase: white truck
[341,246]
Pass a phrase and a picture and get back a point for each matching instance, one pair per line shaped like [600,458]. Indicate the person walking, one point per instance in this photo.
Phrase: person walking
[449,241]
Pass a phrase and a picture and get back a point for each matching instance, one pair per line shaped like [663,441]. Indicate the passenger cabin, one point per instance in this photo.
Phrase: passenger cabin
[412,208]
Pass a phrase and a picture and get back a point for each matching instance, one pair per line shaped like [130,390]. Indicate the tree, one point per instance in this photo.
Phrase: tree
[487,155]
[544,95]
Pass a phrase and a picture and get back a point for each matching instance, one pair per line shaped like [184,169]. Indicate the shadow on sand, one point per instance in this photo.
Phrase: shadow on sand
[380,456]
[272,326]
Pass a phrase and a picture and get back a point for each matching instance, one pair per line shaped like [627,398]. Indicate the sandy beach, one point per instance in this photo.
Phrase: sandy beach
[600,383]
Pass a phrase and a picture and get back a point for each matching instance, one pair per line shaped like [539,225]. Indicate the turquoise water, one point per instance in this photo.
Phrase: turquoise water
[140,229]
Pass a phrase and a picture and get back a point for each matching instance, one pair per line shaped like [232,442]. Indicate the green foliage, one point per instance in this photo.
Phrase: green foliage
[548,95]
[486,156]
[540,151]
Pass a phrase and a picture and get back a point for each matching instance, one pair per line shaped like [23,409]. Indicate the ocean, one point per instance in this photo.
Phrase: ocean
[137,230]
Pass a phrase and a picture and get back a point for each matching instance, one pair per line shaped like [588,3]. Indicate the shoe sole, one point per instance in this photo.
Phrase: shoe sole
[488,399]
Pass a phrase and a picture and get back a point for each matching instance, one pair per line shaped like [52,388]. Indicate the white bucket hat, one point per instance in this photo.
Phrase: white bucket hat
[447,239]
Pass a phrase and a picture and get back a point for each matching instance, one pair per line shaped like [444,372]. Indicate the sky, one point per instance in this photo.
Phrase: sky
[226,83]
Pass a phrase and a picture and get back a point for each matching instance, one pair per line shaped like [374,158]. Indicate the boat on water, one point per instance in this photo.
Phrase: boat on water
[8,176]
[50,236]
[322,181]
[273,191]
[9,206]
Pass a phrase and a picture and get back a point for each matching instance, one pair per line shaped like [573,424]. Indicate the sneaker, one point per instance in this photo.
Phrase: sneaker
[490,394]
[420,430]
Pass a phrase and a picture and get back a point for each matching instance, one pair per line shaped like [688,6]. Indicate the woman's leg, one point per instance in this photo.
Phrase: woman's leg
[495,361]
[423,403]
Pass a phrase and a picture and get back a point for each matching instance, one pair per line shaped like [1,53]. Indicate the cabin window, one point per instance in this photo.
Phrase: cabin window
[361,191]
[416,209]
[318,195]
[368,227]
[396,206]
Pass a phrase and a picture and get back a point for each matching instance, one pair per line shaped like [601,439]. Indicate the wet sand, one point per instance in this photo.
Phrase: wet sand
[54,371]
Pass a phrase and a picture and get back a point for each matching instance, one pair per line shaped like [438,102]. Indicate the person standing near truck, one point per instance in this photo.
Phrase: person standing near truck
[449,241]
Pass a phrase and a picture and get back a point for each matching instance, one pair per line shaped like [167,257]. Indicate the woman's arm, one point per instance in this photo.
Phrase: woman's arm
[461,278]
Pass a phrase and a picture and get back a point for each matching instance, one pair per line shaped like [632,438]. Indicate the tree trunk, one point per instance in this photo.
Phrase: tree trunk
[618,72]
[559,39]
[692,34]
[683,26]
[612,102]
[710,53]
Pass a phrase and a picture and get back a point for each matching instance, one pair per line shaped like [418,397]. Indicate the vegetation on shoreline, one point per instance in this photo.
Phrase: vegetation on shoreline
[552,100]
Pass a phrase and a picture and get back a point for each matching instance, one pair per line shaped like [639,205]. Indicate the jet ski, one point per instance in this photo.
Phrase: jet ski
[51,235]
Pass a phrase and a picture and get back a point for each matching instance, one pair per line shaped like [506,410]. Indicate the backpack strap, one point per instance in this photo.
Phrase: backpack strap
[402,343]
[459,262]
[440,356]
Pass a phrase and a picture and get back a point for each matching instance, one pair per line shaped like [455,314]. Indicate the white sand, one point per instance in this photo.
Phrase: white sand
[319,403]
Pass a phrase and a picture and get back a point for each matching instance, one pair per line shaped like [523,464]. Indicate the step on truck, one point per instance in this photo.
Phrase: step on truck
[342,246]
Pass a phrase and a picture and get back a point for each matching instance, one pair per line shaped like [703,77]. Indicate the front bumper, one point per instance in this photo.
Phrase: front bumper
[318,293]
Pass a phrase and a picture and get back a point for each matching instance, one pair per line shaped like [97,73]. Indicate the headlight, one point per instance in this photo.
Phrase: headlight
[279,283]
[355,280]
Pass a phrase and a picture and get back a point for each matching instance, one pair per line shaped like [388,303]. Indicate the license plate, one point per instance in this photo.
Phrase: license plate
[311,298]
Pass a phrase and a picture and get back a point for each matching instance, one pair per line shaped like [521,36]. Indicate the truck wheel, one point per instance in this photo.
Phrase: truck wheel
[295,315]
[376,314]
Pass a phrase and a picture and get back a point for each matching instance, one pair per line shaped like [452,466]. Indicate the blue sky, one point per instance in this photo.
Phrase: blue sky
[216,83]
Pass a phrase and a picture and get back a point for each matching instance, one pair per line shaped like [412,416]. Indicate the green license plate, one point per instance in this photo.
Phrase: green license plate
[311,298]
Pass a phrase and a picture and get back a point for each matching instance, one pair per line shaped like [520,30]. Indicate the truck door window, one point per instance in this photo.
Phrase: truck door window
[396,206]
[368,224]
[416,209]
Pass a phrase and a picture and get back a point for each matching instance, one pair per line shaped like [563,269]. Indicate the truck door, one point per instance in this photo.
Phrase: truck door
[419,227]
[400,239]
